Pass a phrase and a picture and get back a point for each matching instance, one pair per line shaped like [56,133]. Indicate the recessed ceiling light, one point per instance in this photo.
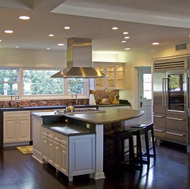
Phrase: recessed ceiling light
[48,48]
[24,17]
[114,28]
[8,31]
[127,49]
[125,33]
[67,28]
[60,44]
[123,41]
[17,46]
[155,43]
[51,35]
[0,40]
[126,37]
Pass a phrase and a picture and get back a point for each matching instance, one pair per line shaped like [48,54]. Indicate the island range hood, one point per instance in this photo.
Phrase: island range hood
[79,60]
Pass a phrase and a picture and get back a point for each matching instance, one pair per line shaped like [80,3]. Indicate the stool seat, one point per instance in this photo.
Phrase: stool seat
[138,131]
[118,139]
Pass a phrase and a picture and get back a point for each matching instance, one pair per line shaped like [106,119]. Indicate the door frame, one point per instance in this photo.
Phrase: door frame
[138,95]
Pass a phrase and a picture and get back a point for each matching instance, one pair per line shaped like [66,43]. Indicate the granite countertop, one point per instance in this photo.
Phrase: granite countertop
[109,116]
[68,130]
[58,107]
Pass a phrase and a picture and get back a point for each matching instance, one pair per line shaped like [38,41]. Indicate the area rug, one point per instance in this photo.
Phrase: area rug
[25,149]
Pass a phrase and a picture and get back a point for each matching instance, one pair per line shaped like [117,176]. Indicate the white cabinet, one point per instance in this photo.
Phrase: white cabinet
[72,155]
[16,127]
[115,72]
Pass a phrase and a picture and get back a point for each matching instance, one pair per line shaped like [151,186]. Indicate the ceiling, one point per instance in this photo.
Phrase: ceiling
[147,21]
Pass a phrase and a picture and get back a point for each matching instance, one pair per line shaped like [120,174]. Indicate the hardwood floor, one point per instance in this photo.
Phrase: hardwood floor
[169,170]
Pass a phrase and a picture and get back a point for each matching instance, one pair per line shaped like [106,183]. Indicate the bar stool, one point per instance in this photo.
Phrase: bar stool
[118,139]
[138,131]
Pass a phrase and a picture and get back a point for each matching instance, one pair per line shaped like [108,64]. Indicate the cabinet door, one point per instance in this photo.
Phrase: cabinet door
[45,148]
[57,155]
[81,155]
[111,83]
[50,151]
[23,129]
[120,76]
[64,159]
[10,130]
[100,82]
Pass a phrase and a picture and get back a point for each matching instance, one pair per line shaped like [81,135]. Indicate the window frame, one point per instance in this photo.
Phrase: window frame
[20,84]
[18,79]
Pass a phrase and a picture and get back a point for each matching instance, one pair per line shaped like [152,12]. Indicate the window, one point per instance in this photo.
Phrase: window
[147,86]
[9,82]
[39,82]
[35,82]
[76,85]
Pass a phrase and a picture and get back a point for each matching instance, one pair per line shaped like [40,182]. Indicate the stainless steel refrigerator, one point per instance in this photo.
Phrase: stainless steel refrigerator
[170,99]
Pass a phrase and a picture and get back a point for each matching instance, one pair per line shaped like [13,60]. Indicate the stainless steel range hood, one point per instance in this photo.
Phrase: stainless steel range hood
[79,60]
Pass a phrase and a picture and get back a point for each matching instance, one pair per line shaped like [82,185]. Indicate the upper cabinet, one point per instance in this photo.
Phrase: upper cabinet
[115,72]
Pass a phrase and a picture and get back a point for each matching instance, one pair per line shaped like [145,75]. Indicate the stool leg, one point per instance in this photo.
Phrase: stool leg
[131,152]
[139,149]
[147,147]
[153,143]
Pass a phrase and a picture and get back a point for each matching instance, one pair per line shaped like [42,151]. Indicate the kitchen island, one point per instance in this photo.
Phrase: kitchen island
[93,122]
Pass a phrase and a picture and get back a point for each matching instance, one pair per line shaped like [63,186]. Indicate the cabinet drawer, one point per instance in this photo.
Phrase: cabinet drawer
[159,132]
[48,133]
[178,123]
[62,139]
[159,120]
[176,136]
[17,114]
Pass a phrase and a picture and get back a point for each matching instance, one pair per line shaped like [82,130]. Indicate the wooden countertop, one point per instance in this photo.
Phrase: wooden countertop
[109,116]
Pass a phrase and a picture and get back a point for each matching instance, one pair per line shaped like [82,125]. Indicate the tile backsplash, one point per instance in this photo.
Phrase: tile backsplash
[100,94]
[55,102]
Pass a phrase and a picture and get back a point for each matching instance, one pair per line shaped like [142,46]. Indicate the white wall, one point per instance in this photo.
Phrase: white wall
[32,58]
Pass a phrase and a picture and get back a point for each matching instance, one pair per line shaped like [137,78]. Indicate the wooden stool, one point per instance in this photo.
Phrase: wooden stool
[118,139]
[138,131]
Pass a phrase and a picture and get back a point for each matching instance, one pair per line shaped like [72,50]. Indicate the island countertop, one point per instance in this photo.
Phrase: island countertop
[109,116]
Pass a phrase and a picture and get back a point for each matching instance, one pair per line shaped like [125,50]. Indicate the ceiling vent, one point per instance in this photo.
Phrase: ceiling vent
[171,64]
[182,46]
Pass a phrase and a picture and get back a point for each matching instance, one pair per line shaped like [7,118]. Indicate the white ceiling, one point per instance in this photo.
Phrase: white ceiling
[147,21]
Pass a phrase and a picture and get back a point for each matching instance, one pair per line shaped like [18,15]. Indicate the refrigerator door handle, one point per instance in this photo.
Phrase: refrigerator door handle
[163,91]
[187,93]
[166,91]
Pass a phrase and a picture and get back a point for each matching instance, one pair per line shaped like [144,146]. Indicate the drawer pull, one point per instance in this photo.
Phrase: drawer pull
[157,116]
[157,130]
[175,134]
[176,119]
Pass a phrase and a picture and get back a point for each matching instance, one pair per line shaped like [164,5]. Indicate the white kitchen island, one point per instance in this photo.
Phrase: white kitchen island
[92,123]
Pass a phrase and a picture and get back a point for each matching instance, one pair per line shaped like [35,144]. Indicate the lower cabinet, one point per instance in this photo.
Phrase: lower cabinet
[16,127]
[173,128]
[72,155]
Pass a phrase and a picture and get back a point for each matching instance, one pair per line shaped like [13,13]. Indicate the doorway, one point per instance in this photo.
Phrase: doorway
[145,93]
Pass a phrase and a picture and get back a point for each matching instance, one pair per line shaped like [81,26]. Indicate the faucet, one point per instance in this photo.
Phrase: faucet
[11,102]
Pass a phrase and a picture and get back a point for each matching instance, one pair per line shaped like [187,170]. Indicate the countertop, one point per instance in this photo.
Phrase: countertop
[58,107]
[109,116]
[68,130]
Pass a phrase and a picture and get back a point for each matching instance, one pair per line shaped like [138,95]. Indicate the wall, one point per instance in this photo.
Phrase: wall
[144,57]
[32,58]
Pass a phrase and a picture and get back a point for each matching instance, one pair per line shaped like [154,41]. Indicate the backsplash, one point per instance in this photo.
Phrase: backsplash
[44,102]
[100,94]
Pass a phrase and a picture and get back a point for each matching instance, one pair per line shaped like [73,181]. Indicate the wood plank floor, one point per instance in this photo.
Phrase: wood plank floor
[171,170]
